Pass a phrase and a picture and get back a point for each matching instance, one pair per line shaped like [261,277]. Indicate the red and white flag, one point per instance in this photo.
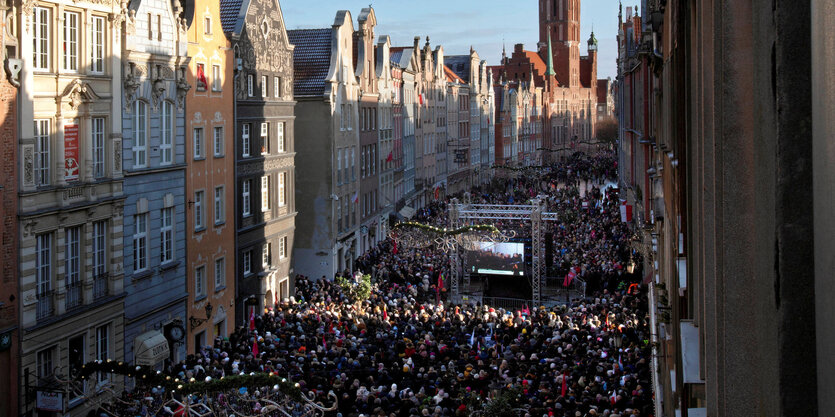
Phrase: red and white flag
[252,320]
[625,212]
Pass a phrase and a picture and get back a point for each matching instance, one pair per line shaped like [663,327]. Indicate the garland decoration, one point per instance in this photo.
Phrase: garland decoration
[442,231]
[357,291]
[521,169]
[147,376]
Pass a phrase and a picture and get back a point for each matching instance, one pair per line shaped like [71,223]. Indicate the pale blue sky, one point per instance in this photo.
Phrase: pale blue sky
[457,24]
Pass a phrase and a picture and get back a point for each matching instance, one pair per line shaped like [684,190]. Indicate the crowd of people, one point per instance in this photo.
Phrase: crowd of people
[407,350]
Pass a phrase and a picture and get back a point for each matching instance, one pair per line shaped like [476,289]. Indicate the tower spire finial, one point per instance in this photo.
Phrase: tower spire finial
[550,71]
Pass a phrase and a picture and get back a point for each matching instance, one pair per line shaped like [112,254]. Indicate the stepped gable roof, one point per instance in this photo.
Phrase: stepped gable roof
[229,10]
[311,60]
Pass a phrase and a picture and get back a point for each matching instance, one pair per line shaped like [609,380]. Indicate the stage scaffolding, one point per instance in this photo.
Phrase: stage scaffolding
[464,213]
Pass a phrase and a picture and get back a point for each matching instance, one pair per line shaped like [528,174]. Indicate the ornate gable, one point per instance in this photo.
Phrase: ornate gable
[263,45]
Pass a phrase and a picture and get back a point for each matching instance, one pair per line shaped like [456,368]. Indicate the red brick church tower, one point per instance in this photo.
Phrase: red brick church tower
[560,19]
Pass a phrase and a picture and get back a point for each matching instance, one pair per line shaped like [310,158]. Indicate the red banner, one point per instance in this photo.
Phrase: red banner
[71,152]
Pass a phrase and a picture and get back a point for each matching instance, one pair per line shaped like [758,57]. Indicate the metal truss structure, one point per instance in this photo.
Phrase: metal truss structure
[466,213]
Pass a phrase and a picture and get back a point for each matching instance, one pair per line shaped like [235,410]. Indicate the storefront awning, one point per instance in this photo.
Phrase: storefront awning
[407,212]
[150,348]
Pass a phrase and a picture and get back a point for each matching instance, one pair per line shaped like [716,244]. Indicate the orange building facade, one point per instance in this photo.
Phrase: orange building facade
[210,178]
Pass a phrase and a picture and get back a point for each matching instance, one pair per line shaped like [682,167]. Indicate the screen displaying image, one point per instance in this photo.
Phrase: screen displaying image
[505,258]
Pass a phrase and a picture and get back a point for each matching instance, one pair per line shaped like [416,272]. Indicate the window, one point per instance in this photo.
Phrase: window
[140,146]
[276,87]
[159,27]
[218,141]
[245,203]
[150,27]
[70,41]
[353,163]
[245,139]
[99,248]
[166,232]
[220,273]
[350,116]
[220,216]
[45,362]
[342,117]
[265,193]
[41,152]
[265,138]
[282,197]
[97,142]
[264,86]
[207,25]
[97,45]
[43,270]
[103,349]
[282,247]
[166,133]
[247,261]
[339,166]
[198,210]
[72,265]
[216,81]
[198,143]
[280,134]
[200,281]
[265,254]
[339,216]
[41,38]
[249,85]
[140,242]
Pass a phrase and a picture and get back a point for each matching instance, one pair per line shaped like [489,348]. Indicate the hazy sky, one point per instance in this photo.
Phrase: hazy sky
[458,24]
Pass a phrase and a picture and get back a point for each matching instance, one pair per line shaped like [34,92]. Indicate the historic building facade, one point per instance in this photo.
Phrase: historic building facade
[370,126]
[70,193]
[155,63]
[265,151]
[10,299]
[388,142]
[327,93]
[405,60]
[210,177]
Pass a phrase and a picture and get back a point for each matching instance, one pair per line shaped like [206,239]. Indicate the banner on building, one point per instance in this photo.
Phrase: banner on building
[71,152]
[625,212]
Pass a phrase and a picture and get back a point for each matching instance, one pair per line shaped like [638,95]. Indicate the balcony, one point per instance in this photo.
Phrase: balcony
[74,298]
[100,285]
[45,304]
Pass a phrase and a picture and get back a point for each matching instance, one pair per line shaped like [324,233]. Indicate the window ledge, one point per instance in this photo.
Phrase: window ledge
[219,155]
[200,229]
[199,158]
[145,273]
[169,265]
[219,224]
[200,297]
[221,288]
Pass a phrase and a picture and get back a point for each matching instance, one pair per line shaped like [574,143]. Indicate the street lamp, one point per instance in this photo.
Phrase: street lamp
[197,321]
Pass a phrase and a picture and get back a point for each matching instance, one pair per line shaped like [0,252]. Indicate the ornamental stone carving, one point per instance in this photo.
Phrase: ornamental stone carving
[132,82]
[182,88]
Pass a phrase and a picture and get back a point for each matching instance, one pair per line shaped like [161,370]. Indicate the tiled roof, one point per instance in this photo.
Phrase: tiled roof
[311,60]
[229,10]
[460,65]
[451,76]
[395,54]
[401,55]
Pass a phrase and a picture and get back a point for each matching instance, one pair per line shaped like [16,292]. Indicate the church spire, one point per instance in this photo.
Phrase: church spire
[550,57]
